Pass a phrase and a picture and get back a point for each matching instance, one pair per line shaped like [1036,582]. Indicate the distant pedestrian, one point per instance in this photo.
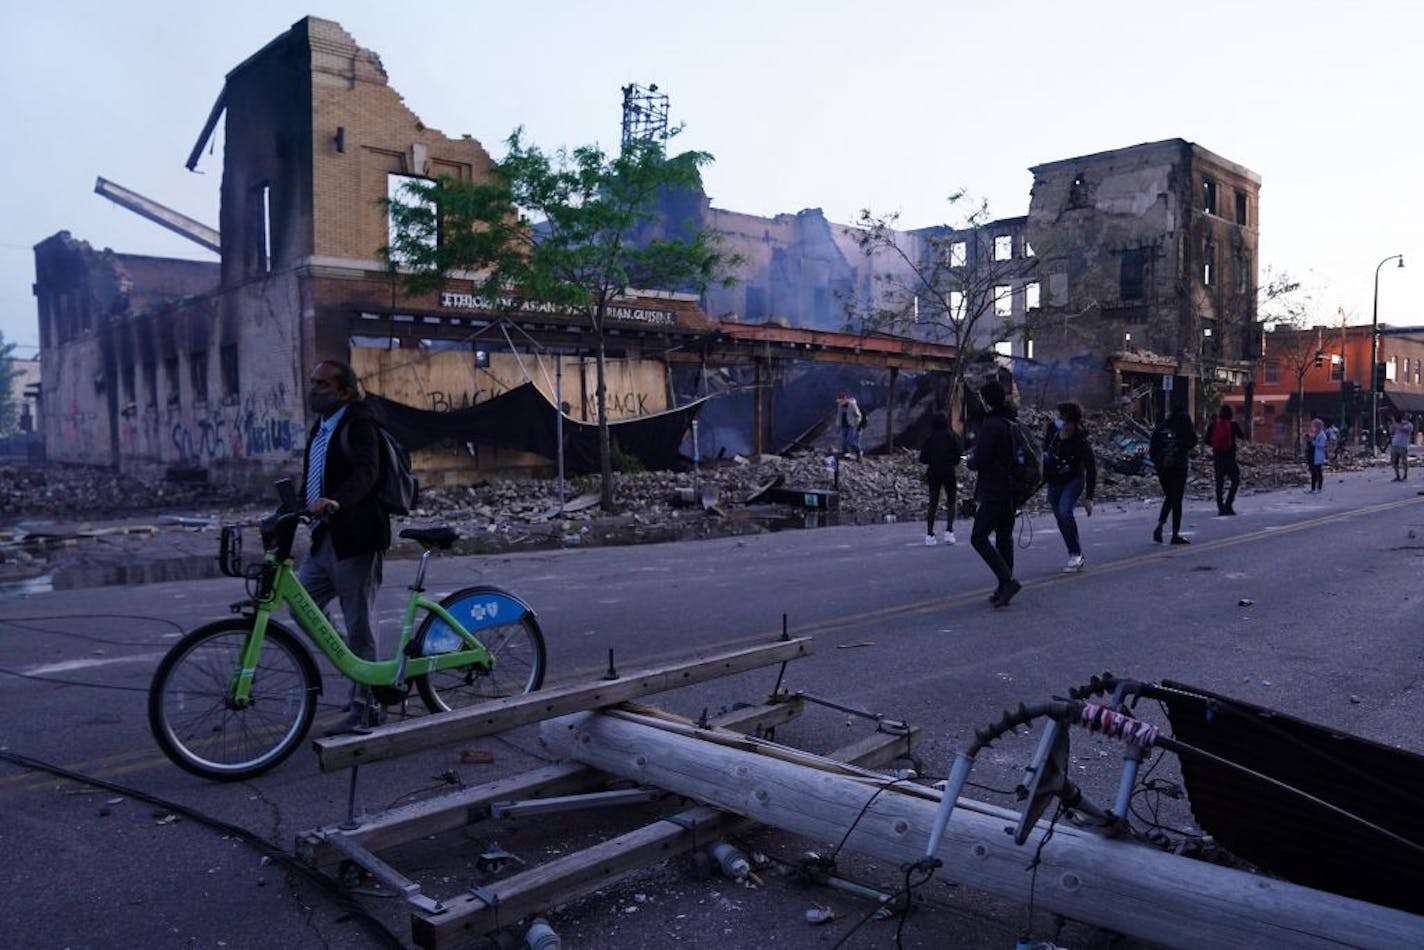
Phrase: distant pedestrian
[851,418]
[940,454]
[1171,451]
[1222,436]
[1071,471]
[1399,438]
[1316,444]
[992,459]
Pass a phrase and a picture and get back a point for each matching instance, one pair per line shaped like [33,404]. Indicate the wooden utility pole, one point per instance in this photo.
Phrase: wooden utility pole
[1119,885]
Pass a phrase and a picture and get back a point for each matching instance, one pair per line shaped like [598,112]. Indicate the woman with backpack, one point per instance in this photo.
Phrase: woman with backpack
[940,455]
[1070,471]
[1170,452]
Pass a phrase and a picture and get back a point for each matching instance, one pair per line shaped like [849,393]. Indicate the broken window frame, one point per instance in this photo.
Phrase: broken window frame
[1003,300]
[1003,247]
[1208,194]
[1033,295]
[957,254]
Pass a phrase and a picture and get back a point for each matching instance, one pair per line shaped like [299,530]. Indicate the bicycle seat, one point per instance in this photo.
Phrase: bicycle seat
[442,537]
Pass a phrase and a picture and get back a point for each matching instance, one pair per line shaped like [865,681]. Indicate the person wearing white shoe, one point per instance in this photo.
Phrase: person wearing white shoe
[940,455]
[1070,471]
[948,538]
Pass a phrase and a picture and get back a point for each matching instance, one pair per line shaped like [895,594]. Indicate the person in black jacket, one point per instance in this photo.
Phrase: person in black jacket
[1170,451]
[940,454]
[340,471]
[992,459]
[1070,471]
[1222,436]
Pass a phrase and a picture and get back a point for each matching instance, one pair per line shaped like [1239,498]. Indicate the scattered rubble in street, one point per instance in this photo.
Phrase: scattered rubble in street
[56,515]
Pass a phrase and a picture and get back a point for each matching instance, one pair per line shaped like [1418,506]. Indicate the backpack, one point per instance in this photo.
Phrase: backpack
[1220,437]
[1025,466]
[1169,454]
[397,488]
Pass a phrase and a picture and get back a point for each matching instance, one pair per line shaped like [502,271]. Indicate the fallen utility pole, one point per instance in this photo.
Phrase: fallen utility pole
[1115,884]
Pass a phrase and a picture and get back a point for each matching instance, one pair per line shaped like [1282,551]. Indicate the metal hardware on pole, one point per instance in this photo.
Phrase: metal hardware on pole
[1374,356]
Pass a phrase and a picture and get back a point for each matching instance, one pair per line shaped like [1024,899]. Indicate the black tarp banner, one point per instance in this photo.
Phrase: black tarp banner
[523,419]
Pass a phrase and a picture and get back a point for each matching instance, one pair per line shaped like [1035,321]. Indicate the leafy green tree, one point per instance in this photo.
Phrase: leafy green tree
[9,406]
[573,229]
[945,284]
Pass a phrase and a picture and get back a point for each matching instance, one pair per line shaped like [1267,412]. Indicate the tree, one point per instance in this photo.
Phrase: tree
[1291,309]
[945,283]
[9,406]
[573,229]
[1271,297]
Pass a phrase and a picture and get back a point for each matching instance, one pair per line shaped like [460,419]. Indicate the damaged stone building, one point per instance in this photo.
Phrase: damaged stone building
[1132,267]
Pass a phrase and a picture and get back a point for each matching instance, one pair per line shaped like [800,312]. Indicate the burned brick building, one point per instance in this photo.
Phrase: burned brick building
[1147,257]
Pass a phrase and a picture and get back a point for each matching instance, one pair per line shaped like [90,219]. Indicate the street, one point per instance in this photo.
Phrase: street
[1305,603]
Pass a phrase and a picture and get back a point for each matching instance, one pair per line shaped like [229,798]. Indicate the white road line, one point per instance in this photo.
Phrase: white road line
[69,666]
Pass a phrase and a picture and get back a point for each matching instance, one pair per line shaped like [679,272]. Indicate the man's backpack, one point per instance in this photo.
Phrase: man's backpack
[1220,437]
[397,488]
[1025,464]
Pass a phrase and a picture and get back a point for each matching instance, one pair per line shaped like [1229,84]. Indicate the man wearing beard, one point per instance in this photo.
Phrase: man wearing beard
[341,472]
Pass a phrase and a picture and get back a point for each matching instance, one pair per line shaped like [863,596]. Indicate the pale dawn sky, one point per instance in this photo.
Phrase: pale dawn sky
[804,104]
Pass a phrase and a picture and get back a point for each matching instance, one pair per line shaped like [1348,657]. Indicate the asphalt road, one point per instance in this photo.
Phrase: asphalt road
[1305,603]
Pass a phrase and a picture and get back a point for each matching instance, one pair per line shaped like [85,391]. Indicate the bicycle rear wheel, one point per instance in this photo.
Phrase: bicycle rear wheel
[509,631]
[194,720]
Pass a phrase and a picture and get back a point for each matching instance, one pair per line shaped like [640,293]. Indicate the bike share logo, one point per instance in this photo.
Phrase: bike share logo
[480,611]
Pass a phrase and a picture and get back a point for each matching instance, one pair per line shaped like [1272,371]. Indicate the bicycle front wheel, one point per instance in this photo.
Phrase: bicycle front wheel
[200,728]
[509,631]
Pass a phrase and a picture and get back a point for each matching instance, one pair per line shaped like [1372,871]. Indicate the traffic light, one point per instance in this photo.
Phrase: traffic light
[1379,378]
[1319,358]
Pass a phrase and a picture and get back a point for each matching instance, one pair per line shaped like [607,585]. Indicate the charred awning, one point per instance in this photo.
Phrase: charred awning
[524,420]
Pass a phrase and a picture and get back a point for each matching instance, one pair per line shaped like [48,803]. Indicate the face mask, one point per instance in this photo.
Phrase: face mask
[322,402]
[1058,423]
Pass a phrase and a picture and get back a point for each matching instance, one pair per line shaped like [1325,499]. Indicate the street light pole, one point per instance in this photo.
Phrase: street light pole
[1374,353]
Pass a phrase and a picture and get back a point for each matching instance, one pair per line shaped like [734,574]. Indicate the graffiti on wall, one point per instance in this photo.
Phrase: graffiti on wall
[256,425]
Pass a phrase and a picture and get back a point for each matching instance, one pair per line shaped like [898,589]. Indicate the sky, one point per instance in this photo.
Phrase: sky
[833,104]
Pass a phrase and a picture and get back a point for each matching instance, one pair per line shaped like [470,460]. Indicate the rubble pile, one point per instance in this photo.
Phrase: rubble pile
[526,513]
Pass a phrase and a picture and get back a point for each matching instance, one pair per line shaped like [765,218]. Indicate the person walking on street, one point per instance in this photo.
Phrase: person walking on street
[940,455]
[992,459]
[1399,438]
[341,471]
[1071,471]
[1222,437]
[1170,451]
[848,410]
[1316,443]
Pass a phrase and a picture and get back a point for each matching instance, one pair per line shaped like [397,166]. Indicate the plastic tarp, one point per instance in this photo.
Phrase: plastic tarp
[524,420]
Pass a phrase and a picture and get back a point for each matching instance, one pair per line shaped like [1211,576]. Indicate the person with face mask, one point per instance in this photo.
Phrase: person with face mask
[1071,471]
[341,472]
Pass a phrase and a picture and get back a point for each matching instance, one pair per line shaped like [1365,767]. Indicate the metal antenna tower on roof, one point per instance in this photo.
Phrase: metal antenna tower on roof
[645,114]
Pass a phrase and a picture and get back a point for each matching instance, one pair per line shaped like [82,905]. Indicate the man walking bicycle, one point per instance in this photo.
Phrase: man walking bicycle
[341,472]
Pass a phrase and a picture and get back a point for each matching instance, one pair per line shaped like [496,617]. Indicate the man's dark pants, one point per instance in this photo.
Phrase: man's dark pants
[1227,471]
[998,517]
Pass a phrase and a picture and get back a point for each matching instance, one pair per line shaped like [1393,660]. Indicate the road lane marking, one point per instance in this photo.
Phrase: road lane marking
[69,666]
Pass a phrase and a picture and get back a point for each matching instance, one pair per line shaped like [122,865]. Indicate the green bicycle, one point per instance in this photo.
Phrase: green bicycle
[235,698]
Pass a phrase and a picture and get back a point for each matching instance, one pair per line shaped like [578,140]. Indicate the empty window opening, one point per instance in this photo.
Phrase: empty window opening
[956,305]
[198,374]
[1209,196]
[1028,349]
[1003,300]
[1241,207]
[230,381]
[958,254]
[170,381]
[1131,273]
[422,223]
[1032,295]
[1028,248]
[1004,348]
[1208,263]
[1004,247]
[258,257]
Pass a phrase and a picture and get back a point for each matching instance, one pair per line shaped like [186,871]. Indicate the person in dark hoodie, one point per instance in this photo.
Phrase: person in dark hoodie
[1170,451]
[940,455]
[992,459]
[1070,471]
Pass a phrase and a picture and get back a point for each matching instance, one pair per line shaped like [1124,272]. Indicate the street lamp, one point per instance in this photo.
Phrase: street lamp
[1374,352]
